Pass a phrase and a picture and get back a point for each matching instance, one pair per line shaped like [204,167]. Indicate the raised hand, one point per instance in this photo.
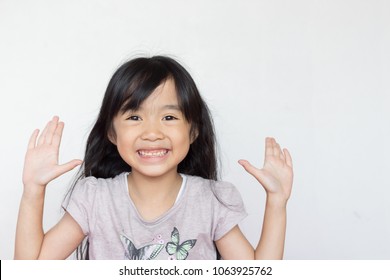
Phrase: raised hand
[41,161]
[276,176]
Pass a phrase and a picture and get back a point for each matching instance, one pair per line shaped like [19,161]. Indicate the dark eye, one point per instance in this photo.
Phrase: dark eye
[134,118]
[170,118]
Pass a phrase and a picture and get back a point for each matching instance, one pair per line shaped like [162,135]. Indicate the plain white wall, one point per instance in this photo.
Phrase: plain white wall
[314,74]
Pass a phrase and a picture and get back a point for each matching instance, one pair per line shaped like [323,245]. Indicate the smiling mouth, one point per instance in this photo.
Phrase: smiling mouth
[152,153]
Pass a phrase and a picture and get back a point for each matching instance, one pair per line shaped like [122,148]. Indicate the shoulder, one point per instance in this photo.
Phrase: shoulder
[220,200]
[205,183]
[90,185]
[92,181]
[223,191]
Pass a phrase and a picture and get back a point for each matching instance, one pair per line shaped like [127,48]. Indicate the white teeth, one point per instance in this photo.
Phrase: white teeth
[153,153]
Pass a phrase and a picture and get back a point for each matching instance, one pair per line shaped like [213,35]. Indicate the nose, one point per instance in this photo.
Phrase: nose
[152,131]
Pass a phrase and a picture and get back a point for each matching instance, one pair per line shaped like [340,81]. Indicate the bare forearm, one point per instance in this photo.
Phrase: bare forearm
[271,244]
[276,177]
[29,231]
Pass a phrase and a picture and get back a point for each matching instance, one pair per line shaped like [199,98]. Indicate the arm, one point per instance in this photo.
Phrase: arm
[41,167]
[276,177]
[271,244]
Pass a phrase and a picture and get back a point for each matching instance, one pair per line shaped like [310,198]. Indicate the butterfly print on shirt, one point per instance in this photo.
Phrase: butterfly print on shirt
[175,249]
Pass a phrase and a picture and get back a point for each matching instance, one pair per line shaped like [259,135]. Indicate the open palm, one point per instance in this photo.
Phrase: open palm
[276,176]
[41,160]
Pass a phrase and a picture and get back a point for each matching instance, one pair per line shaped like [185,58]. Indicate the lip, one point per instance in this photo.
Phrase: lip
[154,153]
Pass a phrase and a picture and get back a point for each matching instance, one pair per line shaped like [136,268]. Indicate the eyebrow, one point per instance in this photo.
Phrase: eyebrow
[164,107]
[171,107]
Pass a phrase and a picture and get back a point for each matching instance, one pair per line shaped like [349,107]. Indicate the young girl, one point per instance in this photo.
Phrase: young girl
[148,187]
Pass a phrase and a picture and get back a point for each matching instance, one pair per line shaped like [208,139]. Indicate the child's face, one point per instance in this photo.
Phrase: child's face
[155,138]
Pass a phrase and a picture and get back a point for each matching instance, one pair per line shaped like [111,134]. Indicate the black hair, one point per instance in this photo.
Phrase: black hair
[131,84]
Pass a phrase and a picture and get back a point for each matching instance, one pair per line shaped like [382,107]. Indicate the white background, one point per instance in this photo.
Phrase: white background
[313,74]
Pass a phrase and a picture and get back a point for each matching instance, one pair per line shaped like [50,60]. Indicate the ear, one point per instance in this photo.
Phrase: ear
[194,133]
[112,136]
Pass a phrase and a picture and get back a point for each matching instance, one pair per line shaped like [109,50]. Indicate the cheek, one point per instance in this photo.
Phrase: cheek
[183,136]
[184,146]
[122,150]
[124,143]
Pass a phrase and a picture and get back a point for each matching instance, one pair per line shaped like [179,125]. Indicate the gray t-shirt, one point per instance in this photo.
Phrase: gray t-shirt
[205,211]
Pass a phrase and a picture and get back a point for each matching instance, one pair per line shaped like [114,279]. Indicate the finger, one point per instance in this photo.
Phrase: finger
[282,157]
[41,138]
[288,158]
[52,127]
[257,173]
[248,167]
[269,150]
[277,150]
[33,139]
[58,134]
[66,167]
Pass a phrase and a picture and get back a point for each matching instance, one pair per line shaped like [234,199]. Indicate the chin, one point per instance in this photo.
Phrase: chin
[155,173]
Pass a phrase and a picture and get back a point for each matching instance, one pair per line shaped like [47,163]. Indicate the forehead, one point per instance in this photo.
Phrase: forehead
[164,96]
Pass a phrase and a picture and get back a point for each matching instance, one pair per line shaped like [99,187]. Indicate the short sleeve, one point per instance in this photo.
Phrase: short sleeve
[79,203]
[229,209]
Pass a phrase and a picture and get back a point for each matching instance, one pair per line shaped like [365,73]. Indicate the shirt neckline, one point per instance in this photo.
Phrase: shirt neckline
[168,213]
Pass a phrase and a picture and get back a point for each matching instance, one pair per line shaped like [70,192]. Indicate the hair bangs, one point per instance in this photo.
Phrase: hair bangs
[143,83]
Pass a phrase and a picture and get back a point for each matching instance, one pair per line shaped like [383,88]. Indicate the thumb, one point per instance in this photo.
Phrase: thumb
[255,172]
[66,167]
[248,166]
